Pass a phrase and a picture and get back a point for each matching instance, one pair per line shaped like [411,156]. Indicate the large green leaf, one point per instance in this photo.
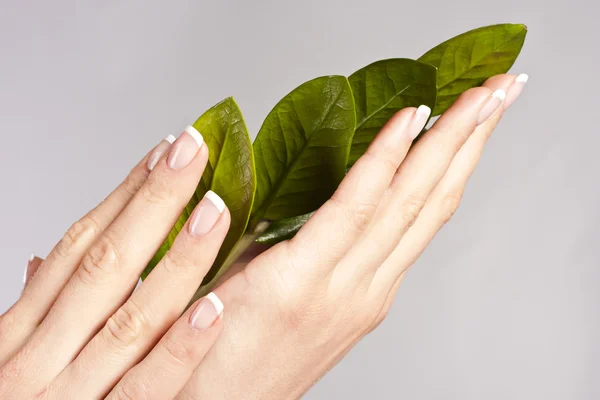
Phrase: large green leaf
[302,148]
[467,60]
[381,89]
[229,173]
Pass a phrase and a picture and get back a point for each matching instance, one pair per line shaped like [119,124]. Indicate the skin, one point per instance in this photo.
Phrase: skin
[292,311]
[78,330]
[335,281]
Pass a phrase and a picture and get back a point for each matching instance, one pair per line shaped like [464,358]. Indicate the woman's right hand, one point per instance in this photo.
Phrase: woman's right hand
[299,307]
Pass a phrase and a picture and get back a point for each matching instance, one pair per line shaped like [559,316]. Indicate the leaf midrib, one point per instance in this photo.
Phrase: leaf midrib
[387,103]
[279,184]
[477,62]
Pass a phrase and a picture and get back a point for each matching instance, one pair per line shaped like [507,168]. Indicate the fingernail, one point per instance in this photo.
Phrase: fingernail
[31,257]
[515,90]
[493,103]
[185,148]
[159,151]
[206,214]
[206,312]
[418,121]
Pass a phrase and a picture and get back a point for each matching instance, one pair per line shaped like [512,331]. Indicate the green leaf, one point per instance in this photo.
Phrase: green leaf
[302,148]
[229,173]
[283,229]
[383,88]
[467,60]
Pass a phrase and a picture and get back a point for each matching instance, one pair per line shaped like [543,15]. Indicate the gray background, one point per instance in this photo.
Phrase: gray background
[503,304]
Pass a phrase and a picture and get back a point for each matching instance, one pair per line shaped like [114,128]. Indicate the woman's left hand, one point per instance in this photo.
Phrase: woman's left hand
[78,331]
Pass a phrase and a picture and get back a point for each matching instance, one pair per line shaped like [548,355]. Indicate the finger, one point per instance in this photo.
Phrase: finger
[337,224]
[52,274]
[111,267]
[164,372]
[415,180]
[132,331]
[442,203]
[31,268]
[252,252]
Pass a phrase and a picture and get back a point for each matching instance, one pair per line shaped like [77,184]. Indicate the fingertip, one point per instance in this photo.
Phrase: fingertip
[207,312]
[216,200]
[395,128]
[207,213]
[33,264]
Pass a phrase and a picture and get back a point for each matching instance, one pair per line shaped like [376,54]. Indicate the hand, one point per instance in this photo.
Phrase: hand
[298,308]
[77,330]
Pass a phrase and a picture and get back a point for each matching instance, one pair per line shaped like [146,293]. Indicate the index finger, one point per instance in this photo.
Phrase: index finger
[337,224]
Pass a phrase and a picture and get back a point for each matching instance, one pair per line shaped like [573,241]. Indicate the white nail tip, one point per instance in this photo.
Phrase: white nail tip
[216,302]
[500,94]
[216,200]
[423,110]
[170,139]
[193,132]
[523,78]
[31,257]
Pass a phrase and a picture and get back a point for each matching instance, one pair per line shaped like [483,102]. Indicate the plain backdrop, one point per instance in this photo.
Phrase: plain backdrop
[504,304]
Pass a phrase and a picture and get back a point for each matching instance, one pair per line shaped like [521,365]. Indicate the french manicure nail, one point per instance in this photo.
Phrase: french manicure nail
[206,312]
[493,103]
[206,214]
[418,121]
[159,151]
[185,148]
[515,90]
[31,257]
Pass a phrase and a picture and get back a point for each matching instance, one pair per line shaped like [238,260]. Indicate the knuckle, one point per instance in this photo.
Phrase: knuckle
[370,318]
[131,390]
[290,300]
[179,352]
[77,236]
[411,208]
[359,215]
[382,160]
[126,325]
[375,324]
[449,204]
[100,260]
[378,319]
[177,261]
[157,191]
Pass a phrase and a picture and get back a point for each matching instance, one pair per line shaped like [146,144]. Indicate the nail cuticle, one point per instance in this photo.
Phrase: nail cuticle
[185,148]
[494,101]
[418,122]
[206,214]
[208,310]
